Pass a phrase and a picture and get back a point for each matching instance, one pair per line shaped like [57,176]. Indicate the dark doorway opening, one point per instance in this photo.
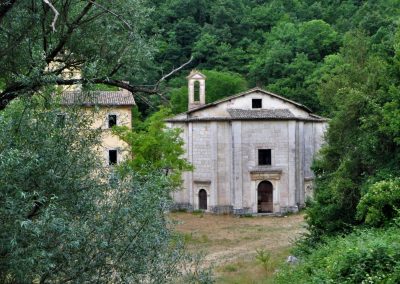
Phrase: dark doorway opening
[265,197]
[203,199]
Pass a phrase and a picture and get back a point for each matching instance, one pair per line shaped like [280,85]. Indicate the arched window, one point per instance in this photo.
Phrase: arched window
[197,91]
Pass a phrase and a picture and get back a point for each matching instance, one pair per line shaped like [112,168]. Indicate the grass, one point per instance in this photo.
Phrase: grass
[241,250]
[251,271]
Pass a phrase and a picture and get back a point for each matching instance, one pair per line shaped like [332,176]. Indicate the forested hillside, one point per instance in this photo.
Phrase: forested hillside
[284,46]
[341,59]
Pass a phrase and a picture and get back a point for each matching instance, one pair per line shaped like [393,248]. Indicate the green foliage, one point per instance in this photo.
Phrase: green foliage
[381,203]
[100,47]
[218,86]
[366,256]
[62,221]
[359,91]
[263,257]
[155,147]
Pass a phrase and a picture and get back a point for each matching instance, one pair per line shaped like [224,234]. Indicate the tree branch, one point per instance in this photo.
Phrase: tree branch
[66,36]
[107,81]
[13,91]
[56,14]
[173,71]
[112,13]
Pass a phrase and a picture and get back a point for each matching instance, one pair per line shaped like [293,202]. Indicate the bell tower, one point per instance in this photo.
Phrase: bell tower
[197,89]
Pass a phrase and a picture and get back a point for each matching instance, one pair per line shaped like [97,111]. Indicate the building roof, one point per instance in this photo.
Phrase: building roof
[256,89]
[101,98]
[249,114]
[260,114]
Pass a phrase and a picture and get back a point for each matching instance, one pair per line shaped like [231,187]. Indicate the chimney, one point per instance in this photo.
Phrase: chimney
[196,89]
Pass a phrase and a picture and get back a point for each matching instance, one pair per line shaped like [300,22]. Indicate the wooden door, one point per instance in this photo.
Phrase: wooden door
[265,197]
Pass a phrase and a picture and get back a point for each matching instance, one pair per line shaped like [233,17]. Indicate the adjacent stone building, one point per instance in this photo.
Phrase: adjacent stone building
[106,108]
[252,151]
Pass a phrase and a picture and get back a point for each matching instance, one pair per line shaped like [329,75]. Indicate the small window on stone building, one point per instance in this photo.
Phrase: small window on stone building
[112,157]
[264,157]
[256,103]
[112,120]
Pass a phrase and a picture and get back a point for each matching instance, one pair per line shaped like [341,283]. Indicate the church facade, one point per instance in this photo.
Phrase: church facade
[252,152]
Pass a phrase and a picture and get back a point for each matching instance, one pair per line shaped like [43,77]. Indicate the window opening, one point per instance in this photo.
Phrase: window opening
[264,157]
[256,103]
[196,91]
[112,120]
[112,157]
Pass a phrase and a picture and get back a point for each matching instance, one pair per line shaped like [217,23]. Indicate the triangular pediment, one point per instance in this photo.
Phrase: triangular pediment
[194,74]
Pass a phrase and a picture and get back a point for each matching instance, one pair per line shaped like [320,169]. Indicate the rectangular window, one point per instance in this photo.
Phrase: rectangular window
[264,157]
[256,103]
[112,157]
[112,120]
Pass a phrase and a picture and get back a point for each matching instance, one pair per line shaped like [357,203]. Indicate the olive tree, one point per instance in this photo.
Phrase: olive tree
[64,220]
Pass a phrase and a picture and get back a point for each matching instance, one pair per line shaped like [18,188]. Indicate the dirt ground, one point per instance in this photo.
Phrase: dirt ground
[229,239]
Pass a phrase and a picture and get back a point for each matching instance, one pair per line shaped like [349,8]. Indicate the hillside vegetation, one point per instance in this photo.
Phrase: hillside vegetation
[339,58]
[342,59]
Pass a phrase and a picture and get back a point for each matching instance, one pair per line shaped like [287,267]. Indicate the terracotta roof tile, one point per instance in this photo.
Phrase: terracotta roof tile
[260,113]
[103,98]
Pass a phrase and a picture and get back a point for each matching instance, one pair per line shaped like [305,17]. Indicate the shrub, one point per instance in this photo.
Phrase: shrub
[263,257]
[381,203]
[365,256]
[62,221]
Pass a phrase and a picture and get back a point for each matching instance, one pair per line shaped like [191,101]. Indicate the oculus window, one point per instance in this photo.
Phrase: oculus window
[256,103]
[264,157]
[112,120]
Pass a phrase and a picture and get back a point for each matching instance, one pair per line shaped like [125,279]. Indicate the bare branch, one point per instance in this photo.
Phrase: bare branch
[174,71]
[56,14]
[112,13]
[50,57]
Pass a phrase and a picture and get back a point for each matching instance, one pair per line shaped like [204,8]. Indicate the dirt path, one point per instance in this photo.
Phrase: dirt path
[227,238]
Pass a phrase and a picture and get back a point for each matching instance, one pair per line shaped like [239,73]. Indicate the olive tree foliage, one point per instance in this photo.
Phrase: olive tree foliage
[103,40]
[63,219]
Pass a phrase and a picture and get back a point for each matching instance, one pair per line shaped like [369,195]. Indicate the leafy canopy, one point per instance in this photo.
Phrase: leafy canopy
[155,147]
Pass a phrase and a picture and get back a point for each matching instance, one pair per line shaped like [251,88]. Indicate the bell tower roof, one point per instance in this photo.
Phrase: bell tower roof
[195,74]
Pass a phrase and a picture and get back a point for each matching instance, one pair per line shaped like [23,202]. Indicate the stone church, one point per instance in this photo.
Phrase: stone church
[252,151]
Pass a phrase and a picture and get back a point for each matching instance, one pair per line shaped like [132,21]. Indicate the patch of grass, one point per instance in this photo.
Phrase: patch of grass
[199,213]
[250,271]
[187,238]
[231,267]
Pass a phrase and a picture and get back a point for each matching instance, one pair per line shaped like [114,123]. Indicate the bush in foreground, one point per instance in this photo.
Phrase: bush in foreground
[365,256]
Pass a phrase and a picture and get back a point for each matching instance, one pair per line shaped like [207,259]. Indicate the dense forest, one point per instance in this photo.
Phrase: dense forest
[339,58]
[287,47]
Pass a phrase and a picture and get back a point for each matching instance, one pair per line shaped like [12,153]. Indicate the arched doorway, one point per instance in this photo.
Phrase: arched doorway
[202,199]
[265,198]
